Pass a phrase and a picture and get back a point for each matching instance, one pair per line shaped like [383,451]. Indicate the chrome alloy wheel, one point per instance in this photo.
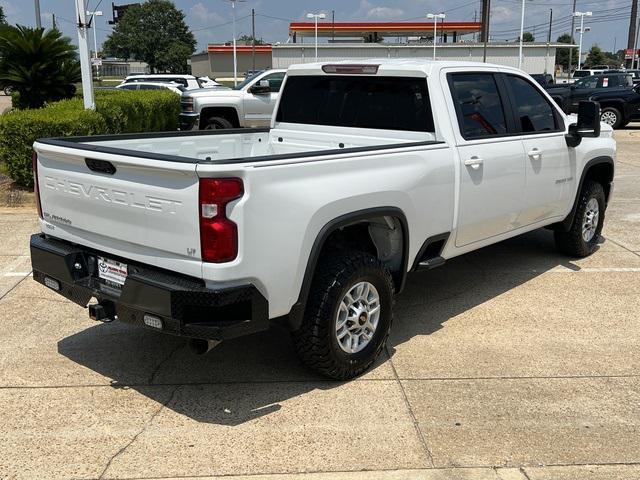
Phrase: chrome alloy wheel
[609,118]
[358,317]
[590,220]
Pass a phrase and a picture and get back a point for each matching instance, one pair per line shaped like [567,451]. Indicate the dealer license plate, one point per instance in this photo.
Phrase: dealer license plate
[112,271]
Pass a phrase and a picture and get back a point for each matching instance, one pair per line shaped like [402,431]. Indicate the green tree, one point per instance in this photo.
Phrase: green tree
[562,54]
[154,32]
[527,37]
[3,18]
[41,65]
[246,39]
[596,57]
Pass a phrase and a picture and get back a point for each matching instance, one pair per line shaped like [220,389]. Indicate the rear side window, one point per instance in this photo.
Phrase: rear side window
[533,112]
[388,103]
[478,104]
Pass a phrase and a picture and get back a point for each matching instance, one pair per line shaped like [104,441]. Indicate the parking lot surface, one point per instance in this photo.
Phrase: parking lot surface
[510,363]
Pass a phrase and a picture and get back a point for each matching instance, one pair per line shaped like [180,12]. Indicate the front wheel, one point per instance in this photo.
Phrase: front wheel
[611,116]
[348,315]
[216,123]
[582,238]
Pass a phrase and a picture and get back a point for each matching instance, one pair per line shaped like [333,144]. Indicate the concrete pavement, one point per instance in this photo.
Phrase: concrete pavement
[511,363]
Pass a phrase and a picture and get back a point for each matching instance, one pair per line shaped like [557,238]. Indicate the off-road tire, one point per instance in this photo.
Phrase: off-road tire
[216,123]
[572,243]
[315,341]
[615,112]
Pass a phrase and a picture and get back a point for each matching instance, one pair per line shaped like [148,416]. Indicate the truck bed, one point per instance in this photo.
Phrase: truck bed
[240,145]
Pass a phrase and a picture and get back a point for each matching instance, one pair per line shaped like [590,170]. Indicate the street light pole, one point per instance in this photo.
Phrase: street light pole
[93,25]
[435,17]
[316,16]
[521,36]
[582,30]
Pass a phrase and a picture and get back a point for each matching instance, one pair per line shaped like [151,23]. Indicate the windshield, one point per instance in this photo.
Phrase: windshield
[581,73]
[246,81]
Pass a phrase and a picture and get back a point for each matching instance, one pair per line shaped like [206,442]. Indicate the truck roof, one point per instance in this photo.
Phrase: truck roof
[394,66]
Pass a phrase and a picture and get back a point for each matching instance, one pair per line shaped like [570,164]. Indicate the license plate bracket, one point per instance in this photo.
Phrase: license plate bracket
[114,273]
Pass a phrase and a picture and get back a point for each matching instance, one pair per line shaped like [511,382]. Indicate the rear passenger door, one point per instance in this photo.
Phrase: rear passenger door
[549,171]
[492,167]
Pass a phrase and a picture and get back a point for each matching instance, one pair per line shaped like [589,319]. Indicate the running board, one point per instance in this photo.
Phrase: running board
[431,263]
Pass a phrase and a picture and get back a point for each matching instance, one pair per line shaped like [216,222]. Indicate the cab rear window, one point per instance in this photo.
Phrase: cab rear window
[387,103]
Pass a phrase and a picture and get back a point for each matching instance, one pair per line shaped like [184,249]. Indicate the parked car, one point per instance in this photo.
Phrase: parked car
[569,96]
[249,104]
[635,74]
[543,79]
[587,73]
[189,82]
[619,107]
[316,222]
[206,82]
[174,87]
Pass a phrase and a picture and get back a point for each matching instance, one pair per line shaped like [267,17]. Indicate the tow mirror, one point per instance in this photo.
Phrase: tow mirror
[260,88]
[588,123]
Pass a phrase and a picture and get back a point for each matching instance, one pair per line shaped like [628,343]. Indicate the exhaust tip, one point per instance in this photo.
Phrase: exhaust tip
[200,346]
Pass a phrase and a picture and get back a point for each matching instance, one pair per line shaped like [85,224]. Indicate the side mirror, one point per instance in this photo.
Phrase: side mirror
[260,88]
[588,123]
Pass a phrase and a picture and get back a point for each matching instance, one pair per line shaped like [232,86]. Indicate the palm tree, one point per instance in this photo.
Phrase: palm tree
[41,65]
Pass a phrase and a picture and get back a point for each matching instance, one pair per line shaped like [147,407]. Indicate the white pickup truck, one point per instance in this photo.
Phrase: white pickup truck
[368,172]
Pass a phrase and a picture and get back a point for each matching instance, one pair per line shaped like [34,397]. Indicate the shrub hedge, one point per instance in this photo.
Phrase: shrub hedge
[116,112]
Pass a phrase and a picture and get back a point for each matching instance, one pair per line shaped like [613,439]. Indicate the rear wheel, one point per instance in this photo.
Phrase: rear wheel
[348,315]
[611,116]
[582,238]
[216,123]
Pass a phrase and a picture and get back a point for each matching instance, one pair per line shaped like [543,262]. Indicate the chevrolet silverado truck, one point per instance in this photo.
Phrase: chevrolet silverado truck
[618,107]
[570,96]
[249,104]
[368,172]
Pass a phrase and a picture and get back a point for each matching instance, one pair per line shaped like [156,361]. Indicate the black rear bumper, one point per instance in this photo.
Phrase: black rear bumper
[183,304]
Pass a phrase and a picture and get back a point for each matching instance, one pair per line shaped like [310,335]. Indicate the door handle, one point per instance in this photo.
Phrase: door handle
[474,162]
[535,154]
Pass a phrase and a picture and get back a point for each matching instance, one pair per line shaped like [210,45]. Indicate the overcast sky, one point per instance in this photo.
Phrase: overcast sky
[210,19]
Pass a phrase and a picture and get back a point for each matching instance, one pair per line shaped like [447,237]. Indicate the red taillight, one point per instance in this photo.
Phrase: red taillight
[218,234]
[34,165]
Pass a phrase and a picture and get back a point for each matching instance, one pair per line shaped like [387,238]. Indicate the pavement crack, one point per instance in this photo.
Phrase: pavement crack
[416,425]
[13,288]
[622,246]
[142,430]
[163,362]
[524,472]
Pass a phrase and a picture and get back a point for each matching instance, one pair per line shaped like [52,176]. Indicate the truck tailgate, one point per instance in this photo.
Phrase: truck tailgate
[139,208]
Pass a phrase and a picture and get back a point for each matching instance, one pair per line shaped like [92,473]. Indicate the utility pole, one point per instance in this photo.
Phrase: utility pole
[53,16]
[546,58]
[83,51]
[253,39]
[38,17]
[632,39]
[573,29]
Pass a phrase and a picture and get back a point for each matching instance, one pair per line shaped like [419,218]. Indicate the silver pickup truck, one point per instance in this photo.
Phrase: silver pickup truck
[249,104]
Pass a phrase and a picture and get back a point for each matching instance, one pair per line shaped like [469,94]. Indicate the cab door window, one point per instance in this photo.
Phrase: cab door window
[534,113]
[479,105]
